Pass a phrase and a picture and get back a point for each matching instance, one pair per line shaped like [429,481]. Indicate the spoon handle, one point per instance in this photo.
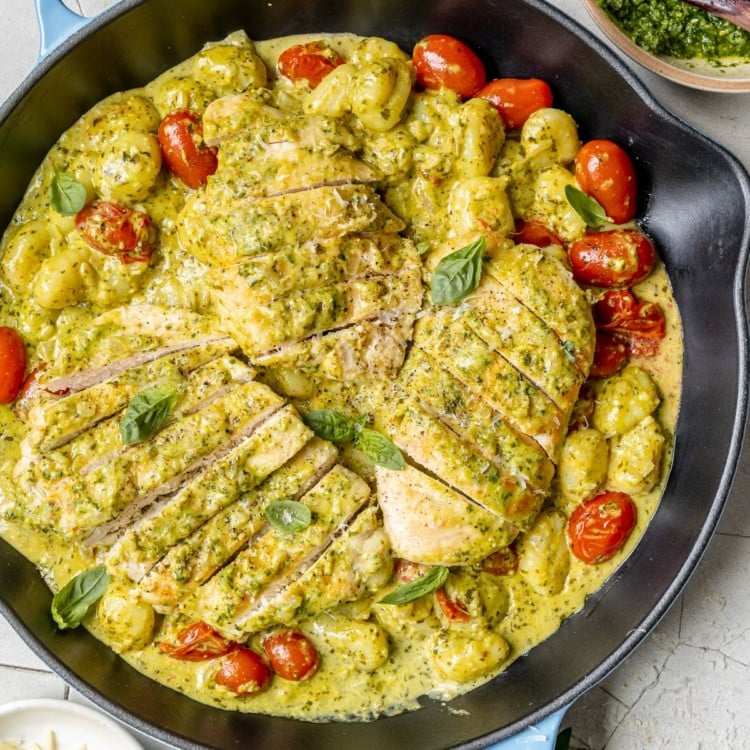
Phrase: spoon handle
[734,11]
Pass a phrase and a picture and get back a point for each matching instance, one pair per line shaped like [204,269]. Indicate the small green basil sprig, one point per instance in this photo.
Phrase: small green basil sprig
[66,194]
[71,603]
[147,412]
[338,428]
[458,274]
[588,208]
[431,581]
[288,516]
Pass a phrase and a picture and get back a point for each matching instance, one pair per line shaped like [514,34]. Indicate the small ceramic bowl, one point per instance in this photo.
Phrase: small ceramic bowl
[694,72]
[73,726]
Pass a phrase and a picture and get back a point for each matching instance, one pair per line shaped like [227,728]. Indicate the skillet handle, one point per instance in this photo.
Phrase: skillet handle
[56,24]
[542,736]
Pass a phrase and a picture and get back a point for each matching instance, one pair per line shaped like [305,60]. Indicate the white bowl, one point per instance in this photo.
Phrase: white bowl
[74,726]
[694,72]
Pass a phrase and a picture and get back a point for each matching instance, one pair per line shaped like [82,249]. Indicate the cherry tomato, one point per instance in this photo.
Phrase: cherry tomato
[442,61]
[183,149]
[243,671]
[310,62]
[12,364]
[605,172]
[610,355]
[406,571]
[504,562]
[615,258]
[114,229]
[640,324]
[533,232]
[198,642]
[599,527]
[291,654]
[454,610]
[516,98]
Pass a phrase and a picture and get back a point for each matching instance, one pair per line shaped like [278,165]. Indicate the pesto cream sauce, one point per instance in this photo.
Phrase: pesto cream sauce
[346,686]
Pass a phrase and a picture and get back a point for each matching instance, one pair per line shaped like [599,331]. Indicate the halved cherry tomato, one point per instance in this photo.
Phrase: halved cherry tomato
[114,229]
[605,172]
[610,356]
[291,654]
[12,363]
[442,61]
[615,258]
[310,62]
[599,527]
[503,562]
[516,98]
[533,232]
[183,150]
[243,671]
[640,324]
[406,571]
[198,642]
[454,610]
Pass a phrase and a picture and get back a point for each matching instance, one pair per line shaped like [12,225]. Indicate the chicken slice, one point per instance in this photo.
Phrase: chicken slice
[54,423]
[445,337]
[548,289]
[435,448]
[430,523]
[273,554]
[193,561]
[525,341]
[470,417]
[372,349]
[356,563]
[151,526]
[222,232]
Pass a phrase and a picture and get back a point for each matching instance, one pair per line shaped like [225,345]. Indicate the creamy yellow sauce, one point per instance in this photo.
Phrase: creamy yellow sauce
[352,682]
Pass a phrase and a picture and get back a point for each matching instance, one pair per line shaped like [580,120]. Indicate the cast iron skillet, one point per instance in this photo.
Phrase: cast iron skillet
[695,203]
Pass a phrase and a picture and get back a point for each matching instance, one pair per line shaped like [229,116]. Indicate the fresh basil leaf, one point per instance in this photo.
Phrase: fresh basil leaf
[71,603]
[588,208]
[288,516]
[458,274]
[147,412]
[379,449]
[410,592]
[66,194]
[331,425]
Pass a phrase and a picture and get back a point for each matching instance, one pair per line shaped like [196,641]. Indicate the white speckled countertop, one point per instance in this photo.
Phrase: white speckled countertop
[688,686]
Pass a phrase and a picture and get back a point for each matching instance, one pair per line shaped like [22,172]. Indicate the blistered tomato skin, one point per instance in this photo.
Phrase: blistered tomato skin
[310,62]
[610,356]
[442,61]
[612,259]
[599,527]
[291,654]
[454,610]
[605,172]
[533,232]
[243,671]
[516,98]
[180,137]
[114,229]
[12,364]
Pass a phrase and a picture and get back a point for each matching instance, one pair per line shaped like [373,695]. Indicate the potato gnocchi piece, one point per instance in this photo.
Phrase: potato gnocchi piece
[229,68]
[462,656]
[550,134]
[635,465]
[552,208]
[128,168]
[380,91]
[582,469]
[332,96]
[63,278]
[624,400]
[374,48]
[480,204]
[178,93]
[482,137]
[543,556]
[23,253]
[361,643]
[128,622]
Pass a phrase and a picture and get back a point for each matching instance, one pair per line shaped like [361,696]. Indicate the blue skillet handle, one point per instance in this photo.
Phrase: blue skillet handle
[56,24]
[542,736]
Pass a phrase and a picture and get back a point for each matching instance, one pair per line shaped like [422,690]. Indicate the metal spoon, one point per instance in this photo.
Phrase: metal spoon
[734,11]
